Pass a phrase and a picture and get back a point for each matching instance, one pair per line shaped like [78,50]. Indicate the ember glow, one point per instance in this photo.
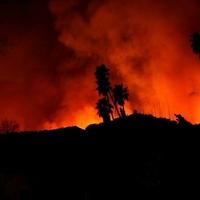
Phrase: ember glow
[48,59]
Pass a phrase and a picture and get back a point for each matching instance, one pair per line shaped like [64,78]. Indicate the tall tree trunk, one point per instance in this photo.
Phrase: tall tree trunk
[114,103]
[112,116]
[106,119]
[124,112]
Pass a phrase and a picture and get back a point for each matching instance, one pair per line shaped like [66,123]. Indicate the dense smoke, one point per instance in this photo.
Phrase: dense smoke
[29,85]
[145,42]
[49,51]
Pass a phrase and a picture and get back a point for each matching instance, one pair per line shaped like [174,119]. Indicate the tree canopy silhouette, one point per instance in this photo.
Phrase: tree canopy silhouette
[120,94]
[112,97]
[103,84]
[104,109]
[195,43]
[102,77]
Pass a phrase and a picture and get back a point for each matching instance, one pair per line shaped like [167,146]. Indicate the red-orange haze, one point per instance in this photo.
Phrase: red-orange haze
[49,51]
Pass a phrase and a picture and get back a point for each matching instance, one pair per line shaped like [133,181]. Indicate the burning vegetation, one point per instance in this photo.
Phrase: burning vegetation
[48,59]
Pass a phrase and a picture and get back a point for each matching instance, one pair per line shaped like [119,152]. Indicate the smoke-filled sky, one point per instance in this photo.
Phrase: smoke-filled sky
[49,50]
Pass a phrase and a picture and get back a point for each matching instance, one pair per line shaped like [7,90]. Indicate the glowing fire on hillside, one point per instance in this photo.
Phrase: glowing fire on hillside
[47,80]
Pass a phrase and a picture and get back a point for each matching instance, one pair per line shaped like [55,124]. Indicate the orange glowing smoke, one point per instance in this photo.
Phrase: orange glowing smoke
[144,42]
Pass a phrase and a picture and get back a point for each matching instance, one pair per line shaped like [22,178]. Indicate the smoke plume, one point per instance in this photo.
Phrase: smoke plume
[49,51]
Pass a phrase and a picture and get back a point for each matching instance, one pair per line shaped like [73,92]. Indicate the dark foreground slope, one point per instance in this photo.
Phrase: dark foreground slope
[121,159]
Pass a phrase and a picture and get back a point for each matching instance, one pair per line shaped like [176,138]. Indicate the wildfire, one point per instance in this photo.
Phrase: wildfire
[50,72]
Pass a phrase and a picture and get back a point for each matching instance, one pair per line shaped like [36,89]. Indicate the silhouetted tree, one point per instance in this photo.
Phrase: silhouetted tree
[8,126]
[195,43]
[102,77]
[104,109]
[120,94]
[103,85]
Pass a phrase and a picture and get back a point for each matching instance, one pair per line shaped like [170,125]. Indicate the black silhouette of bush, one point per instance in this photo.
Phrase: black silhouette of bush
[8,126]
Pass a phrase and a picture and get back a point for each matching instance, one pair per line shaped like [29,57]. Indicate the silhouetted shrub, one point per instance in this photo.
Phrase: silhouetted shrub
[8,126]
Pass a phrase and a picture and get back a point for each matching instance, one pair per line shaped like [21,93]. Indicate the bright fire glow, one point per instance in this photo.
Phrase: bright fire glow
[47,78]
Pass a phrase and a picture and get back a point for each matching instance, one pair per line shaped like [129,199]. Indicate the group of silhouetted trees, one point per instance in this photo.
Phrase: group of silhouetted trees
[112,99]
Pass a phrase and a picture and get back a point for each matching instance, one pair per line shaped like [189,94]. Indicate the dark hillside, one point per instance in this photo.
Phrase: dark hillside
[125,154]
